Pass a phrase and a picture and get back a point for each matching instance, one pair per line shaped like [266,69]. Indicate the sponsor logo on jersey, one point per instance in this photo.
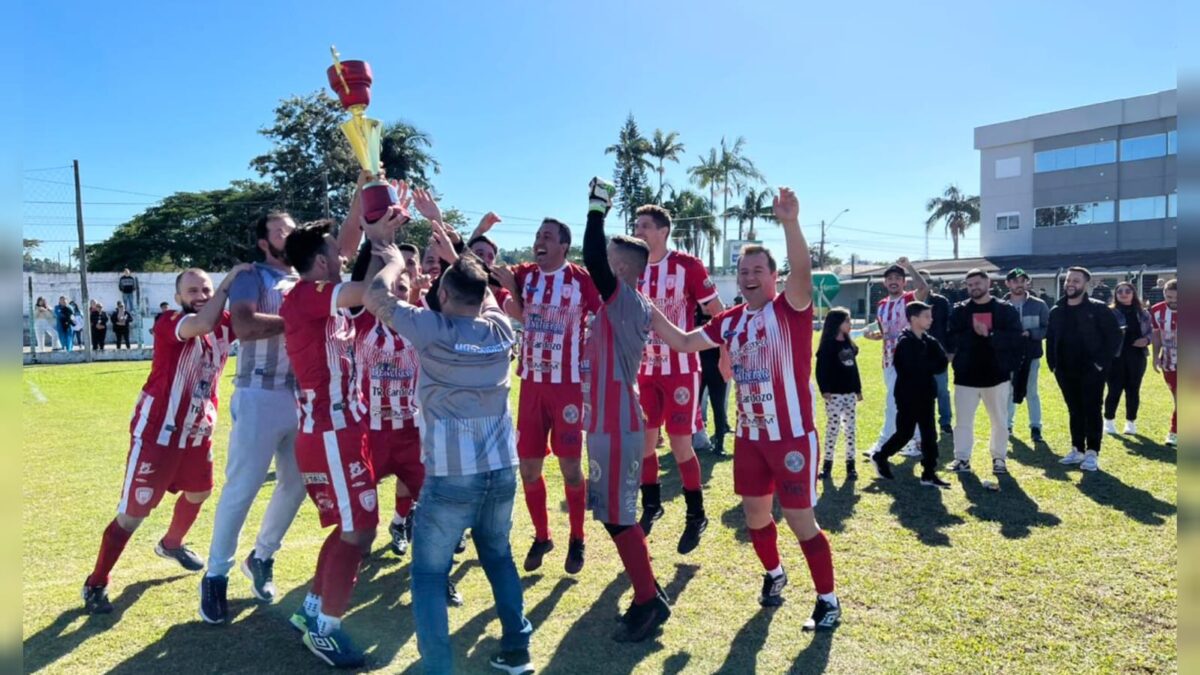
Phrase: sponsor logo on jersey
[743,375]
[357,469]
[367,499]
[468,348]
[386,370]
[145,469]
[683,395]
[756,421]
[747,348]
[143,495]
[536,323]
[765,397]
[708,283]
[794,461]
[324,502]
[551,346]
[571,414]
[541,366]
[315,478]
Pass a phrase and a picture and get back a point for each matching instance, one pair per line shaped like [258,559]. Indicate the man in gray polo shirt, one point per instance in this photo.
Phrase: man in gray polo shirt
[263,410]
[467,445]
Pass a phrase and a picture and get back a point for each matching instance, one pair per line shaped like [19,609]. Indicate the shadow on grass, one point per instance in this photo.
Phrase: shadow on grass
[916,507]
[1040,456]
[836,504]
[815,657]
[1144,447]
[748,643]
[1108,490]
[470,644]
[50,644]
[1016,511]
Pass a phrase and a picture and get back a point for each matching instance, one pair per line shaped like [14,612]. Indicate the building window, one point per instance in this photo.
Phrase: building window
[1009,167]
[1144,208]
[1143,147]
[1172,142]
[1090,213]
[1075,157]
[1008,221]
[1173,205]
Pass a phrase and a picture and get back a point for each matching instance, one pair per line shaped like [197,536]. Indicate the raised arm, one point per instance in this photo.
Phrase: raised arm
[693,341]
[920,286]
[366,265]
[798,289]
[379,299]
[595,244]
[205,320]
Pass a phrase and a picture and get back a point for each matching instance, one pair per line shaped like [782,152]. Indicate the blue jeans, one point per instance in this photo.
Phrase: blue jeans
[1031,398]
[450,505]
[943,399]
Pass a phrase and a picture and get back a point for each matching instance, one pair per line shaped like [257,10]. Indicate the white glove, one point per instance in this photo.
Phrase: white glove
[600,195]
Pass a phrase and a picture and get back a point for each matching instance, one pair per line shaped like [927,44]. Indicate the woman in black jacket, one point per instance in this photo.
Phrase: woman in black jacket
[1128,369]
[99,326]
[838,380]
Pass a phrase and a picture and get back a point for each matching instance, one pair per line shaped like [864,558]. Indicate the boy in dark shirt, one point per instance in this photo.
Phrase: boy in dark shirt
[919,359]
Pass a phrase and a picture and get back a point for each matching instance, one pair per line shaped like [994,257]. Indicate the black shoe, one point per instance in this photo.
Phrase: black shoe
[650,515]
[825,617]
[95,600]
[658,590]
[641,621]
[182,555]
[1035,434]
[826,470]
[882,468]
[717,444]
[514,662]
[772,590]
[574,561]
[692,529]
[453,597]
[261,574]
[851,471]
[214,608]
[537,551]
[399,534]
[932,480]
[947,429]
[462,544]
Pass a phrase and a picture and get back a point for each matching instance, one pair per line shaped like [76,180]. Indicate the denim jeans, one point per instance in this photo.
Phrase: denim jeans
[449,505]
[1032,400]
[945,418]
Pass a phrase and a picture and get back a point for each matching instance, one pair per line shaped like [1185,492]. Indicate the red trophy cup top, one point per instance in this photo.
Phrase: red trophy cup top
[351,80]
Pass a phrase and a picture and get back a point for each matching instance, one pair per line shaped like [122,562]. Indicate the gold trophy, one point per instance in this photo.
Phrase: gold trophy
[351,81]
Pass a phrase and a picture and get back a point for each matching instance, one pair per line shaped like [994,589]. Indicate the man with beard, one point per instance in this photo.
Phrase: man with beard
[1164,316]
[1035,316]
[1081,341]
[171,431]
[890,323]
[263,409]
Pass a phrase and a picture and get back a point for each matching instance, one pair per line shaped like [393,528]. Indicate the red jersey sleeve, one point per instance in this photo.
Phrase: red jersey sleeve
[226,324]
[312,300]
[591,296]
[699,285]
[712,329]
[167,327]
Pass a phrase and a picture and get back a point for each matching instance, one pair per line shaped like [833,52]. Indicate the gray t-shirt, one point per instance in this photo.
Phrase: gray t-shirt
[462,389]
[263,364]
[615,344]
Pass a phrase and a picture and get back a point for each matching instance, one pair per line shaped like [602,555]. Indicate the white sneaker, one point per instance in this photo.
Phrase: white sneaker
[1171,440]
[1110,426]
[1130,427]
[1073,457]
[700,441]
[911,450]
[1091,461]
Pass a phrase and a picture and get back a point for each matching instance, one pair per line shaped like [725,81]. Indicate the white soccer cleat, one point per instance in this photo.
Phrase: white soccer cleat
[1110,427]
[1130,427]
[1073,457]
[1091,461]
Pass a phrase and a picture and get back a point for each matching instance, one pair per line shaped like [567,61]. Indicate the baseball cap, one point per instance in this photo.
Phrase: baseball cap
[1016,272]
[895,269]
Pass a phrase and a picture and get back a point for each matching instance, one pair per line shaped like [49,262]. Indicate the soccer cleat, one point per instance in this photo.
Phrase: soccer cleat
[399,533]
[214,609]
[1110,427]
[881,466]
[1091,461]
[182,555]
[301,621]
[1130,427]
[693,527]
[826,470]
[95,600]
[462,544]
[717,443]
[825,617]
[335,649]
[574,562]
[999,467]
[641,621]
[910,450]
[453,597]
[1171,441]
[1073,457]
[932,480]
[851,471]
[650,515]
[961,466]
[515,662]
[537,551]
[772,589]
[261,574]
[700,441]
[658,590]
[1035,433]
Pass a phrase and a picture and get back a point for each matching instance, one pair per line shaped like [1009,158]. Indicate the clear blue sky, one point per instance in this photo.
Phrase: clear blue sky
[868,106]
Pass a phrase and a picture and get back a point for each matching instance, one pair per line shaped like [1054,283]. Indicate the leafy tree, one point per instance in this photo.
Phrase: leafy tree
[405,154]
[629,175]
[955,209]
[31,263]
[664,147]
[694,227]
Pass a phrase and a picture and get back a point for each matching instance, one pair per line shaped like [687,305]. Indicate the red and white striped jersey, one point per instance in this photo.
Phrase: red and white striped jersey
[320,344]
[892,322]
[676,285]
[771,353]
[1165,321]
[387,366]
[178,404]
[556,308]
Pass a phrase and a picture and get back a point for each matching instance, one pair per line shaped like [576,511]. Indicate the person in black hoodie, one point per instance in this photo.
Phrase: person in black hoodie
[1081,342]
[841,387]
[919,359]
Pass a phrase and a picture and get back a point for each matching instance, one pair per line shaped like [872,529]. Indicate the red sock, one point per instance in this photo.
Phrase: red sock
[689,472]
[765,540]
[820,562]
[341,573]
[650,469]
[635,556]
[112,543]
[535,500]
[576,507]
[318,584]
[404,506]
[181,521]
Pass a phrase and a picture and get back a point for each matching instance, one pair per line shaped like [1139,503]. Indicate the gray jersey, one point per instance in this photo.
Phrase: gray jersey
[614,354]
[463,389]
[262,364]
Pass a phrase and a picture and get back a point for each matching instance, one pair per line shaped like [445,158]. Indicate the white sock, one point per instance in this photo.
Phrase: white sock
[776,572]
[326,624]
[398,519]
[831,598]
[312,604]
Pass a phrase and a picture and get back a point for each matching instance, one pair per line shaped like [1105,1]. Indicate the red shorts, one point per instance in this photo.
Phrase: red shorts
[673,399]
[397,453]
[554,410]
[152,470]
[337,473]
[787,468]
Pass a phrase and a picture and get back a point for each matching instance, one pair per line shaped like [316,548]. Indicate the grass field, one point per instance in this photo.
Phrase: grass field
[1056,572]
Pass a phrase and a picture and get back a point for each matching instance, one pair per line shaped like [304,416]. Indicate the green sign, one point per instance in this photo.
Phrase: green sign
[826,286]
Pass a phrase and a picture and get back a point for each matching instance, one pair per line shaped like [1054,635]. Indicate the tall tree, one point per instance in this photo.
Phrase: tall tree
[955,209]
[629,175]
[405,154]
[739,169]
[664,147]
[706,174]
[756,204]
[694,227]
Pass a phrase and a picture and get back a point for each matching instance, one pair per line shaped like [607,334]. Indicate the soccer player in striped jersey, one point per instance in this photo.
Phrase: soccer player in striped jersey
[669,381]
[891,322]
[776,451]
[1164,317]
[170,447]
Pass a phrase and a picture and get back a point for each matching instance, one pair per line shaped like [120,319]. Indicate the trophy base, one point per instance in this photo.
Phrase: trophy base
[376,199]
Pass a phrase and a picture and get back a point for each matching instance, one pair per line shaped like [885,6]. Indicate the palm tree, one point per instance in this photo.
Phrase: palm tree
[694,224]
[405,154]
[664,147]
[957,210]
[737,167]
[755,204]
[707,174]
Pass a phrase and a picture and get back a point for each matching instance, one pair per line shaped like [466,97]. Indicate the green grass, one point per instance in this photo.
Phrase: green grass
[1057,572]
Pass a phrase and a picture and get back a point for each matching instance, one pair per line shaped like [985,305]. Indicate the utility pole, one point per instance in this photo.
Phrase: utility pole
[325,178]
[83,289]
[821,255]
[927,243]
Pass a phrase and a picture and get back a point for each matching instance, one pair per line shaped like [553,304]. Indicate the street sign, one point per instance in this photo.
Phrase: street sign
[826,286]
